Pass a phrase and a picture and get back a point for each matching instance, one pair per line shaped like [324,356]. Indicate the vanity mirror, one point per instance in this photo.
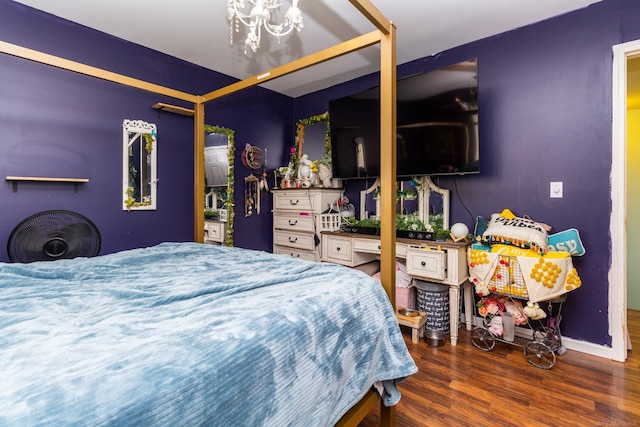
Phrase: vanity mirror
[219,154]
[421,197]
[139,154]
[313,138]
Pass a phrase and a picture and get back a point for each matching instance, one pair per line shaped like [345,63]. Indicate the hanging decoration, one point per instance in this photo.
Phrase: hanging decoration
[252,156]
[250,194]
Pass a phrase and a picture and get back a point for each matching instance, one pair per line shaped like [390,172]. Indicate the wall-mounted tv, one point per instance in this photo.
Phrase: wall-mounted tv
[437,126]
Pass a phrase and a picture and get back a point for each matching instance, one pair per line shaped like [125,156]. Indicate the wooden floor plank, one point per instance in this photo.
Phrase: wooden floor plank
[464,386]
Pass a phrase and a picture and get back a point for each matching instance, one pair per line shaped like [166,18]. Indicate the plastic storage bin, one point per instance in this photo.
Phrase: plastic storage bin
[433,298]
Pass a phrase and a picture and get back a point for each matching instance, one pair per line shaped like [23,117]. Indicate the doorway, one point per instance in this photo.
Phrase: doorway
[633,182]
[618,328]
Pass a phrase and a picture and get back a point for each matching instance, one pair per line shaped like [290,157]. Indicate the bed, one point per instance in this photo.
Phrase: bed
[193,334]
[384,36]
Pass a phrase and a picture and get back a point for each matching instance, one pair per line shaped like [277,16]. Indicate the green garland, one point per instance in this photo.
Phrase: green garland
[230,177]
[300,125]
[148,138]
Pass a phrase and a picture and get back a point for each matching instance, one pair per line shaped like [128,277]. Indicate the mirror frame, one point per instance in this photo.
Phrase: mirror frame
[148,132]
[229,203]
[299,141]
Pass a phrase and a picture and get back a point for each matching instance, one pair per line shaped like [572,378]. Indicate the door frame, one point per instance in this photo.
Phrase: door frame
[618,179]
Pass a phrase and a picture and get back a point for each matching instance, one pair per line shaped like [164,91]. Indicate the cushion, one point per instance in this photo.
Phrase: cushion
[506,228]
[567,240]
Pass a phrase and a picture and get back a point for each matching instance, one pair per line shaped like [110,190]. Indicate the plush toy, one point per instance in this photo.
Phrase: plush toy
[534,311]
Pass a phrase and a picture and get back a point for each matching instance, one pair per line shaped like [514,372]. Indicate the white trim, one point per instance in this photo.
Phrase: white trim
[588,348]
[617,227]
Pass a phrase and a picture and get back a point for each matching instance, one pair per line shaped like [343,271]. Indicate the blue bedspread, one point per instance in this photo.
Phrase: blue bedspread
[191,334]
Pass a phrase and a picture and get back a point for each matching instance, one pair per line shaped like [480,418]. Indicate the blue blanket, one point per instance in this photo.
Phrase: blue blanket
[191,334]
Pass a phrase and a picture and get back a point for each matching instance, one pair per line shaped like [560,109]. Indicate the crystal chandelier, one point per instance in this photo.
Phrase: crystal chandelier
[260,16]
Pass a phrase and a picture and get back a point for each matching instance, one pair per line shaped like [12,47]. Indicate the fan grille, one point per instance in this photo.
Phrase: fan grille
[51,235]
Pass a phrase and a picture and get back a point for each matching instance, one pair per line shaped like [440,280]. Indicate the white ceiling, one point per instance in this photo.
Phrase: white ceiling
[198,31]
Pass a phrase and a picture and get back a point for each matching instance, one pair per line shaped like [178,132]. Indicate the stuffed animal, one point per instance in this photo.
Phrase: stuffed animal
[534,311]
[304,168]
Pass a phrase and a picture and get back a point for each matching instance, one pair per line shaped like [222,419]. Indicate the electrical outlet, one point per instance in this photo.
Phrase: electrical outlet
[555,189]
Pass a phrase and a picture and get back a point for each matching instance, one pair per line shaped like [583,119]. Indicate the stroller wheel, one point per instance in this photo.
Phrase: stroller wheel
[482,339]
[539,354]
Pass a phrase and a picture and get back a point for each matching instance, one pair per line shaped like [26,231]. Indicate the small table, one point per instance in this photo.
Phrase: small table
[416,323]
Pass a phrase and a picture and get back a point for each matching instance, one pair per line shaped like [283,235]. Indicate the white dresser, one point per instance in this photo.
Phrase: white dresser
[298,220]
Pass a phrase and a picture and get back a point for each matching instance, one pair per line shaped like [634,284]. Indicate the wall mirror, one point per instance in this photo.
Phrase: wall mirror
[219,155]
[139,142]
[313,137]
[419,196]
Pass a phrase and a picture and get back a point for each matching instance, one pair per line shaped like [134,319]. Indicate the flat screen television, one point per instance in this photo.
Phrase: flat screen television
[437,126]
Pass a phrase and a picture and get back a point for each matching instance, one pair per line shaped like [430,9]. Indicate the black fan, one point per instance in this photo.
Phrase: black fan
[51,235]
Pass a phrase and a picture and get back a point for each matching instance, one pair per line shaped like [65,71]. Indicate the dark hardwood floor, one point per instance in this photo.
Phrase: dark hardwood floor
[464,386]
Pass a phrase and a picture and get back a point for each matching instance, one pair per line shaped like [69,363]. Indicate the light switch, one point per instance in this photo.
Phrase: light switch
[555,189]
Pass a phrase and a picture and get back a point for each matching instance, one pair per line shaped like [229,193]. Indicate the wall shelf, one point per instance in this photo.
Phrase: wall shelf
[173,109]
[74,181]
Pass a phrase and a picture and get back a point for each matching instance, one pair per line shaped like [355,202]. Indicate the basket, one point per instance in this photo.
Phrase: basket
[328,222]
[507,278]
[433,299]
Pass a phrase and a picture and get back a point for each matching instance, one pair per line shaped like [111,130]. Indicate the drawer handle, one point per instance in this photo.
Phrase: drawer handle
[338,249]
[295,255]
[423,263]
[378,247]
[293,239]
[293,202]
[293,221]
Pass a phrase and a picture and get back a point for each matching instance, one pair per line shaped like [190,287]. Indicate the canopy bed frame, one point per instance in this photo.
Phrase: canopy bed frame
[385,35]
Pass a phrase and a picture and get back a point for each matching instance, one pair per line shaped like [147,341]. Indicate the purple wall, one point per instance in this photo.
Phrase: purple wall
[57,123]
[545,115]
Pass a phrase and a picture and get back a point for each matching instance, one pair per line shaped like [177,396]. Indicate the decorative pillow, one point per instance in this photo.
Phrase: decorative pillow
[568,240]
[508,229]
[481,226]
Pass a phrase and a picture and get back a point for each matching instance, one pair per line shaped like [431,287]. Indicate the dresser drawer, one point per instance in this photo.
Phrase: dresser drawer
[366,245]
[373,246]
[293,201]
[336,249]
[294,239]
[312,200]
[426,264]
[296,253]
[293,221]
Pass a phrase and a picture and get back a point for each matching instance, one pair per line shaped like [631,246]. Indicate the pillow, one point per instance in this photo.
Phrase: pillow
[508,229]
[568,240]
[481,227]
